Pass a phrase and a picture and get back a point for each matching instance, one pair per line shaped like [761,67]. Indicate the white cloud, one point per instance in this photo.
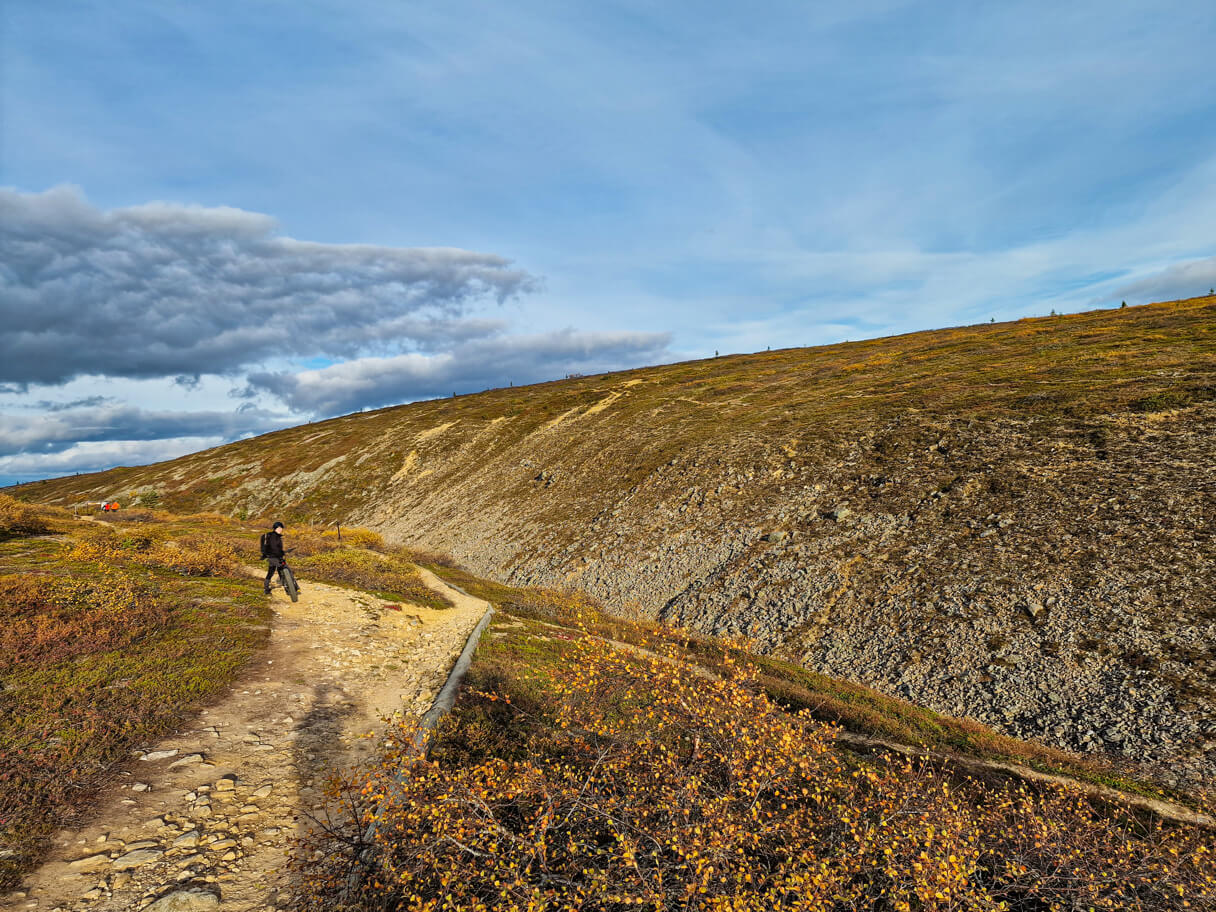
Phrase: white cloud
[370,382]
[60,430]
[93,456]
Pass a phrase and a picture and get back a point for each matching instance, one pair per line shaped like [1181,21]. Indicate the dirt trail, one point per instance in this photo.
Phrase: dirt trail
[202,819]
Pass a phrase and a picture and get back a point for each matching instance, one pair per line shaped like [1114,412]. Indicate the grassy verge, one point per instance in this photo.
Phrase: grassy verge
[576,775]
[358,559]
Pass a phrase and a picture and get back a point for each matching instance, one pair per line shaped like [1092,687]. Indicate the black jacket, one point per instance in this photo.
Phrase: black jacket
[274,545]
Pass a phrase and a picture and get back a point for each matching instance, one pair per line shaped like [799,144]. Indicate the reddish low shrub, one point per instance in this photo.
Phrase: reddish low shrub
[53,618]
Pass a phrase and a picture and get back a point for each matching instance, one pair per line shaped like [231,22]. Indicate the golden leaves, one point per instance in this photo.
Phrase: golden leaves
[626,779]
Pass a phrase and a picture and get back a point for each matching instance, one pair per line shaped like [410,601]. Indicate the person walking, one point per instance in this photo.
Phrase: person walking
[272,552]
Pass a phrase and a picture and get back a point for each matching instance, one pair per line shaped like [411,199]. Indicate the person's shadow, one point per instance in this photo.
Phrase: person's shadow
[318,754]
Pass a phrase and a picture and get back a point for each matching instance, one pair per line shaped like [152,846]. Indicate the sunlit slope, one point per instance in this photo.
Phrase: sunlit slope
[1009,521]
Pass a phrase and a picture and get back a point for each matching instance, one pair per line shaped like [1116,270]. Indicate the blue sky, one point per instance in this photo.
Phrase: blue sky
[607,184]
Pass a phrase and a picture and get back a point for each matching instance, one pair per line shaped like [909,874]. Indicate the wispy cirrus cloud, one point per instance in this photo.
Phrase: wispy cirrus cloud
[168,290]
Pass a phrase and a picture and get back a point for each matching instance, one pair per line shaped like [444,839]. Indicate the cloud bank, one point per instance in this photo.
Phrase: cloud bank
[1181,280]
[60,430]
[92,456]
[185,298]
[372,382]
[168,290]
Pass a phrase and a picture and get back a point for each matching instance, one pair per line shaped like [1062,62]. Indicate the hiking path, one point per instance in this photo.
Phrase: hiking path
[202,820]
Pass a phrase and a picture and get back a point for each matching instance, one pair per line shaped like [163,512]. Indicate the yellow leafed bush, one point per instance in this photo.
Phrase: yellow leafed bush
[193,555]
[19,518]
[357,537]
[196,555]
[636,782]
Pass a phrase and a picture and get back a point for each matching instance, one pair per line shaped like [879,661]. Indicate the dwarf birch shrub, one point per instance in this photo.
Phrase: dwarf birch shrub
[196,555]
[356,537]
[192,555]
[637,782]
[19,518]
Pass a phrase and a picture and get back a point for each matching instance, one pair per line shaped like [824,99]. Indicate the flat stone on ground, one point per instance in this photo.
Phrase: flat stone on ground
[91,863]
[136,858]
[185,901]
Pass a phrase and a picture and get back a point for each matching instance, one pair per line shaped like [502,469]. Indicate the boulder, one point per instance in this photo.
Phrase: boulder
[90,863]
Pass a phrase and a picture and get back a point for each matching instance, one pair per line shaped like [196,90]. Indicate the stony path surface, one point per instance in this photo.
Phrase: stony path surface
[202,819]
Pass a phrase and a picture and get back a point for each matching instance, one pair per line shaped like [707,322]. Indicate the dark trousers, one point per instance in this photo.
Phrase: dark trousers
[276,564]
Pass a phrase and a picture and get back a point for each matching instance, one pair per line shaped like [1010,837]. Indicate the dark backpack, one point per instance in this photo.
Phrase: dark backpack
[263,543]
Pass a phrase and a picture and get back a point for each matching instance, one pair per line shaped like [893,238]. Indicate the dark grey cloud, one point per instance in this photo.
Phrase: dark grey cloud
[56,432]
[46,405]
[481,364]
[168,290]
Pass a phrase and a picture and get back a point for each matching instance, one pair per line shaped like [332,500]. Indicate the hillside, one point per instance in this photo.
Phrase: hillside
[1011,522]
[170,739]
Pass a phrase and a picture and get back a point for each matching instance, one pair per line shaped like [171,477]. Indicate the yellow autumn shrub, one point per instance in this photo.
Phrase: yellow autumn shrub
[192,555]
[20,518]
[357,537]
[621,780]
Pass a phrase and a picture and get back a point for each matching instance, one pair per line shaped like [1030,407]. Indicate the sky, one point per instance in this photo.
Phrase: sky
[221,218]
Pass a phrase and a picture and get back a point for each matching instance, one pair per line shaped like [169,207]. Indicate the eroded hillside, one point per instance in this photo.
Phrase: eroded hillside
[1011,522]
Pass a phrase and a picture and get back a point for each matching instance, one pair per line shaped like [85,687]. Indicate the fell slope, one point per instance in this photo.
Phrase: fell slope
[1011,522]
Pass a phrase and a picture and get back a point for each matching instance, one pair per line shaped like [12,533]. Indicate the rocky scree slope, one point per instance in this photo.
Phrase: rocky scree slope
[1011,522]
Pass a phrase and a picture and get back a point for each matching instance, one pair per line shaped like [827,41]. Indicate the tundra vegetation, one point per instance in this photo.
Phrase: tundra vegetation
[1008,522]
[592,762]
[577,773]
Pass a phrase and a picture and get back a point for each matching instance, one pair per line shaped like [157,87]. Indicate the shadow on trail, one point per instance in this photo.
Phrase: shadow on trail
[318,754]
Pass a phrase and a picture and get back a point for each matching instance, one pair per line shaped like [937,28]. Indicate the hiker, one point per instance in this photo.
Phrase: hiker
[272,552]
